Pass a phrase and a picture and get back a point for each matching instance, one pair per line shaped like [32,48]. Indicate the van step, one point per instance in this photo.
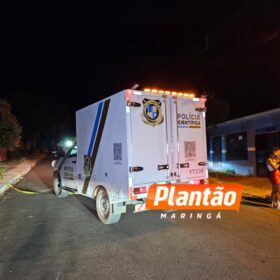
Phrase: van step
[69,189]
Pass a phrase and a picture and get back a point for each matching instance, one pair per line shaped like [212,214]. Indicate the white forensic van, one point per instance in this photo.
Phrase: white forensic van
[129,141]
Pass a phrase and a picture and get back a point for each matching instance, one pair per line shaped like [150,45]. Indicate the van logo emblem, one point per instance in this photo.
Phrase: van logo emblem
[152,112]
[87,166]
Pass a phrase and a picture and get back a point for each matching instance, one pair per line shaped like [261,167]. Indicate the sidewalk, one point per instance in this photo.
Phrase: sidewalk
[14,172]
[10,164]
[253,186]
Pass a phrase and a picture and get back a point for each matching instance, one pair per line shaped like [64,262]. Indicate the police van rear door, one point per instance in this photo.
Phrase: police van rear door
[191,138]
[148,154]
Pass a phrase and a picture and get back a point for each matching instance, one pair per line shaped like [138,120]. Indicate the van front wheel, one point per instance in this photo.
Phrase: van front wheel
[104,208]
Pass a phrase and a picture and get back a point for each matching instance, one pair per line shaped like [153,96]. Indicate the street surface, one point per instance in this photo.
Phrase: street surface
[43,237]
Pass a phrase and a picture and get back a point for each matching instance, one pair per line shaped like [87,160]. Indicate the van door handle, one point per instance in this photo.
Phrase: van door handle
[73,161]
[133,104]
[135,169]
[202,109]
[183,165]
[202,163]
[163,166]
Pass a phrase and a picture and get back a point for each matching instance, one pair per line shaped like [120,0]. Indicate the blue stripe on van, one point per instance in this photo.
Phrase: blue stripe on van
[99,110]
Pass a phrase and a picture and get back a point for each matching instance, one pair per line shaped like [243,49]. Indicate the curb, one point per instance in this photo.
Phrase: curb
[14,180]
[250,191]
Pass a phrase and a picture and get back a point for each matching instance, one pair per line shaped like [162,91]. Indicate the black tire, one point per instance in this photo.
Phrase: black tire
[104,208]
[59,192]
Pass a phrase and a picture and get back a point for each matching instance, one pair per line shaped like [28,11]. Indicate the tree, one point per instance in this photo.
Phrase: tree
[217,110]
[10,129]
[44,116]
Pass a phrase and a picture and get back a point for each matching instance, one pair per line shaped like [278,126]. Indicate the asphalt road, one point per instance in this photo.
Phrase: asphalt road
[43,237]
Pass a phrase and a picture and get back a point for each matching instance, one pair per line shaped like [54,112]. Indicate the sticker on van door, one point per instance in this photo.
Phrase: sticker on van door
[190,149]
[117,147]
[189,120]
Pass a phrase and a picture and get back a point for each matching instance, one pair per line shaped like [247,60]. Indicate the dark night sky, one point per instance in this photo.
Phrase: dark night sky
[80,55]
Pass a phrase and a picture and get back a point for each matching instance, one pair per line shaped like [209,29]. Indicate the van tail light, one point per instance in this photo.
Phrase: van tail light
[201,182]
[140,190]
[204,181]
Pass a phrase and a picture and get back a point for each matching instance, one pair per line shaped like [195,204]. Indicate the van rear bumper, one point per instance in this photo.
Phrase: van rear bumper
[140,208]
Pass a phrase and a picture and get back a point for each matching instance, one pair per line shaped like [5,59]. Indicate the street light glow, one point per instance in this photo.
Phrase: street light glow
[68,143]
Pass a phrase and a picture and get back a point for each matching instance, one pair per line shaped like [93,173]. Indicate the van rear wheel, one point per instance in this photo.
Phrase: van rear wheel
[59,192]
[104,208]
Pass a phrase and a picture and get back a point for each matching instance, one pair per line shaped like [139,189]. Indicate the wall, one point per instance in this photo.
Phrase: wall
[251,124]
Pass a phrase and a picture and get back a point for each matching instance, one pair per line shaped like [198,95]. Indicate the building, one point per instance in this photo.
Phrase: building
[241,145]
